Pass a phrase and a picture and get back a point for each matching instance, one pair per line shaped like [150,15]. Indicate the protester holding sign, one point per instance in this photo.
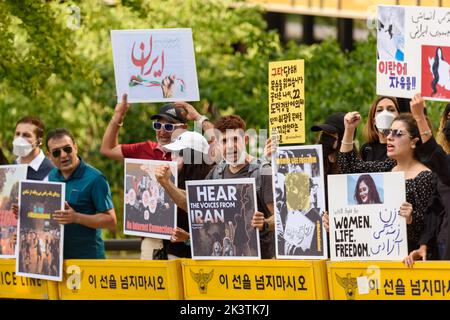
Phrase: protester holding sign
[190,151]
[443,135]
[88,206]
[169,120]
[435,157]
[402,140]
[237,163]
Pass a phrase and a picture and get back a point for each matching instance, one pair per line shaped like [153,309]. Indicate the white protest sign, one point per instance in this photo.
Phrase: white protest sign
[364,216]
[413,52]
[155,65]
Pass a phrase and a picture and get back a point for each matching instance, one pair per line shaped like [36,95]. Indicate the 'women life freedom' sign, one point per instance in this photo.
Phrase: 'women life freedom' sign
[364,216]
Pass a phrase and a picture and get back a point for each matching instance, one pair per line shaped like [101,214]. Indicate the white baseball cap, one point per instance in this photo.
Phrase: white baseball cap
[189,140]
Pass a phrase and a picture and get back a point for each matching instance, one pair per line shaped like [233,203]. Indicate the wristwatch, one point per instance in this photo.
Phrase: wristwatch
[266,226]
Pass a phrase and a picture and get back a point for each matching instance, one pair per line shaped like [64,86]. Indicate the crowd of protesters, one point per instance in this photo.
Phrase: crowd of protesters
[394,141]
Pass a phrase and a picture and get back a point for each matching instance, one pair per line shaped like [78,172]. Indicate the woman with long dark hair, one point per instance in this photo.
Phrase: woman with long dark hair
[402,140]
[438,159]
[366,191]
[374,147]
[435,70]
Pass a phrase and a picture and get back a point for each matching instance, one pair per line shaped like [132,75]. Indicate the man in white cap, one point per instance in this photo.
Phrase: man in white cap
[190,151]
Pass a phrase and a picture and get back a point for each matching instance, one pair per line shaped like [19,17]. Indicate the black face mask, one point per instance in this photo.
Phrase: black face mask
[447,130]
[327,143]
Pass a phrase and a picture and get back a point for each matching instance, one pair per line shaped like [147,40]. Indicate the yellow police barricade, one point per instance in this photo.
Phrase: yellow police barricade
[121,279]
[381,280]
[12,286]
[261,279]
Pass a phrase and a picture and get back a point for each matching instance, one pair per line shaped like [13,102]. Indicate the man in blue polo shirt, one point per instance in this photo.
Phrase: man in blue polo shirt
[88,206]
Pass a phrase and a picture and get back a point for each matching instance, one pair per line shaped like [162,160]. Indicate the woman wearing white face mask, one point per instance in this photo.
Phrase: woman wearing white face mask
[27,147]
[381,114]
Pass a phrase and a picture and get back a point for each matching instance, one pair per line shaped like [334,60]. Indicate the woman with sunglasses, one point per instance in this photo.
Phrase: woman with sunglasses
[402,139]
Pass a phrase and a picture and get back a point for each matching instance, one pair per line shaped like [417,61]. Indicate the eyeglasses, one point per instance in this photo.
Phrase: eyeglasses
[396,133]
[168,127]
[56,153]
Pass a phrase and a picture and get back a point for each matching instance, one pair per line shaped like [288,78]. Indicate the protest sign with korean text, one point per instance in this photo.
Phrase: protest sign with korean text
[287,100]
[413,52]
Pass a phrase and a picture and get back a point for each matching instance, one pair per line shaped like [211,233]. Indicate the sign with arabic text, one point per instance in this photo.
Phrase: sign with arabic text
[40,237]
[413,52]
[363,216]
[155,65]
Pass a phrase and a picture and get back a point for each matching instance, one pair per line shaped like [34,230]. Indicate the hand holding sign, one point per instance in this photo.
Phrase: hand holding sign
[163,174]
[258,220]
[406,210]
[66,216]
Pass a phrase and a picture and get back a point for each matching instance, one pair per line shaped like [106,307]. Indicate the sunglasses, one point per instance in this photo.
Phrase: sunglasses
[396,133]
[56,153]
[168,127]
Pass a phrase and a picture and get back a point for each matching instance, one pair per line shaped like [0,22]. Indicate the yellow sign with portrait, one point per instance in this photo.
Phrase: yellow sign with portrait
[287,100]
[121,279]
[253,280]
[12,286]
[380,280]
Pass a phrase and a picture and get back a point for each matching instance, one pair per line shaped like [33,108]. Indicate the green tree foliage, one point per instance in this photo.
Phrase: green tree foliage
[56,63]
